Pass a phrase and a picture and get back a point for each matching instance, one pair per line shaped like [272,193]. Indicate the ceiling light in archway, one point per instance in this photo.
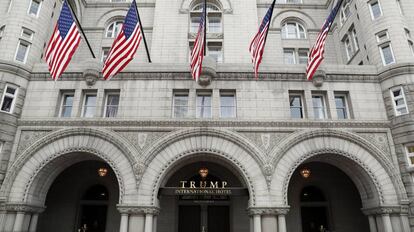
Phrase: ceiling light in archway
[102,172]
[203,172]
[305,173]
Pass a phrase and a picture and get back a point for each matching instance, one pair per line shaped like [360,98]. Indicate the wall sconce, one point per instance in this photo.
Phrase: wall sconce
[102,172]
[203,172]
[305,173]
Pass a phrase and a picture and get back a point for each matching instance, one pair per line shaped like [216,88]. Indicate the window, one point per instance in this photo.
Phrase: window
[22,51]
[214,49]
[105,52]
[341,106]
[34,7]
[410,41]
[354,38]
[111,104]
[411,45]
[214,24]
[89,105]
[66,105]
[399,102]
[27,34]
[296,105]
[303,56]
[1,146]
[10,6]
[2,30]
[410,154]
[319,108]
[375,8]
[386,54]
[180,104]
[113,29]
[293,1]
[289,56]
[203,104]
[227,104]
[293,30]
[400,7]
[345,11]
[382,36]
[9,99]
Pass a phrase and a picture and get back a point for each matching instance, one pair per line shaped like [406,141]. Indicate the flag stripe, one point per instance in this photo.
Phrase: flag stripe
[197,54]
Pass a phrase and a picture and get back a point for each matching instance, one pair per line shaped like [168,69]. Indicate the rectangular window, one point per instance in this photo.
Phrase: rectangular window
[348,48]
[194,23]
[303,56]
[105,52]
[111,104]
[22,51]
[386,54]
[214,24]
[34,7]
[89,105]
[382,36]
[180,104]
[399,102]
[410,154]
[203,104]
[66,105]
[296,106]
[355,39]
[319,108]
[9,99]
[376,11]
[214,50]
[227,104]
[289,56]
[341,106]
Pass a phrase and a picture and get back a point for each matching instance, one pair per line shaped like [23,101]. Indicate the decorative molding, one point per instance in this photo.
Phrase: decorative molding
[27,138]
[137,210]
[141,139]
[170,122]
[380,140]
[21,207]
[264,140]
[393,209]
[268,210]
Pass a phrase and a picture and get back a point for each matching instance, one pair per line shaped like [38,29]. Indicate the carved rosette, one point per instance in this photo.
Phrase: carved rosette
[138,210]
[268,211]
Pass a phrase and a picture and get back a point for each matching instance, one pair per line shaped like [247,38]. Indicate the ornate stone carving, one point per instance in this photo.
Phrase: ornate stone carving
[268,210]
[22,207]
[134,210]
[380,140]
[91,72]
[266,141]
[318,78]
[392,209]
[29,137]
[142,140]
[268,171]
[208,72]
[139,169]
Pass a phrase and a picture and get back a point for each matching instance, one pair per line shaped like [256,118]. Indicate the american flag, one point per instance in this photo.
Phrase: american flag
[63,43]
[125,45]
[197,54]
[258,43]
[316,53]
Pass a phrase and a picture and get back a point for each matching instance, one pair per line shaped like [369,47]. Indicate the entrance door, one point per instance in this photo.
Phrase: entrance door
[93,218]
[314,219]
[203,218]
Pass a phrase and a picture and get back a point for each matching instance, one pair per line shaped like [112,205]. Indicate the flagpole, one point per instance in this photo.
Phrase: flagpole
[81,29]
[143,35]
[270,20]
[205,26]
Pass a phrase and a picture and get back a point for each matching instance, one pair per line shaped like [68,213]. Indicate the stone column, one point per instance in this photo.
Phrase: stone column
[33,222]
[386,220]
[281,219]
[372,223]
[154,225]
[148,222]
[18,222]
[257,223]
[124,222]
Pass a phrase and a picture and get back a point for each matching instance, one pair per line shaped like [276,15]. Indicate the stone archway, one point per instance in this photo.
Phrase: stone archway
[37,167]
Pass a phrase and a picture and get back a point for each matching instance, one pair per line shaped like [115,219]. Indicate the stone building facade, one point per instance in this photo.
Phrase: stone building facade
[290,155]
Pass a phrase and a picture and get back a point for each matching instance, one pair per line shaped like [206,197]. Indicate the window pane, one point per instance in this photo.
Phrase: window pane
[376,10]
[318,107]
[216,53]
[67,106]
[112,105]
[303,57]
[289,56]
[214,24]
[21,52]
[34,7]
[296,107]
[227,106]
[10,90]
[387,54]
[90,106]
[7,104]
[195,23]
[180,106]
[410,149]
[291,31]
[203,106]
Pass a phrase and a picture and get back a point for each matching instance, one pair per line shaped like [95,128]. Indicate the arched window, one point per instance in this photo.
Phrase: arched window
[214,24]
[113,29]
[293,30]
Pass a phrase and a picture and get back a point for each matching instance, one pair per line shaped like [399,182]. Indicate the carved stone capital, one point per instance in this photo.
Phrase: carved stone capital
[22,207]
[393,209]
[138,210]
[268,210]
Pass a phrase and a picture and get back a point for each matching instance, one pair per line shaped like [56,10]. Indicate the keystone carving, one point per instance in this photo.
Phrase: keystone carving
[318,78]
[91,72]
[208,71]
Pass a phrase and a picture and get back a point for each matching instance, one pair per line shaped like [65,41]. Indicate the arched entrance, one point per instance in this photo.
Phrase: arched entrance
[203,194]
[323,198]
[82,198]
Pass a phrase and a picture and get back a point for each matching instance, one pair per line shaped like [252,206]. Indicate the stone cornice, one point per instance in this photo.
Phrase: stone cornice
[395,70]
[125,5]
[82,122]
[22,207]
[15,69]
[135,210]
[393,209]
[268,210]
